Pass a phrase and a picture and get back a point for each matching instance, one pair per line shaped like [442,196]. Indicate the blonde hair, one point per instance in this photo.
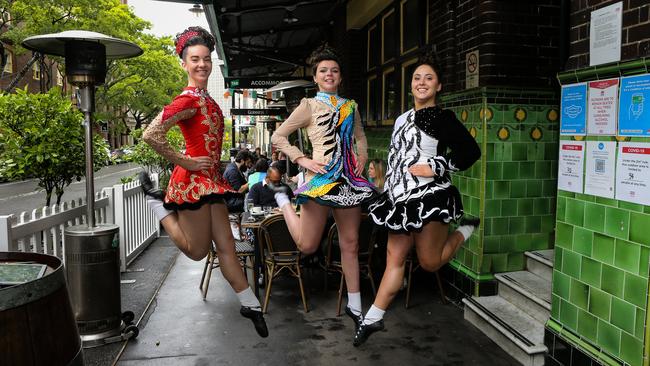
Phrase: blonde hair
[380,173]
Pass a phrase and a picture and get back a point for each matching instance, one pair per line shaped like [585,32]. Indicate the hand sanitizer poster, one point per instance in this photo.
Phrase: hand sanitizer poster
[634,106]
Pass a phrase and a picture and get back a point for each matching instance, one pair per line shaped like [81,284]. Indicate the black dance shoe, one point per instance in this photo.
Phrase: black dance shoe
[279,188]
[470,221]
[148,187]
[257,318]
[365,330]
[357,319]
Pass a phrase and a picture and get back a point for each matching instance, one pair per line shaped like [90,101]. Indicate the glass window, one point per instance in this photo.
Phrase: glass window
[410,23]
[390,107]
[407,74]
[372,104]
[9,66]
[389,31]
[374,44]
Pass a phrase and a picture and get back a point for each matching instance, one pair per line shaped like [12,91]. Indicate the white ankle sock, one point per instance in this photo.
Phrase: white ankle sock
[282,199]
[247,298]
[466,230]
[158,209]
[373,315]
[354,302]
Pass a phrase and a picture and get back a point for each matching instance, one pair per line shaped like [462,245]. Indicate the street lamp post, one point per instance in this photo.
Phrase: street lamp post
[91,250]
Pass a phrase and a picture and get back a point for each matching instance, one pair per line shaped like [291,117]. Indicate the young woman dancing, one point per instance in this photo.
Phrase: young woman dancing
[427,144]
[333,178]
[192,210]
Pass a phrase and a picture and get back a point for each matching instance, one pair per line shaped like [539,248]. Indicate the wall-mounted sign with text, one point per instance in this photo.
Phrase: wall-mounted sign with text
[634,106]
[603,107]
[633,172]
[570,166]
[573,118]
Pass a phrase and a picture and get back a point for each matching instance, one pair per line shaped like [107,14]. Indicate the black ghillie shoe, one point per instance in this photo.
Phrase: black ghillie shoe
[257,318]
[358,319]
[279,188]
[148,187]
[470,221]
[365,330]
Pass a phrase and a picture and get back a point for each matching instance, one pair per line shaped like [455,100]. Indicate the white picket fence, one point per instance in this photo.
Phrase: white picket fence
[42,230]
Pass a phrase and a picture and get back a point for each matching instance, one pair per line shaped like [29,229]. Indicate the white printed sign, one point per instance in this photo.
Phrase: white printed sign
[570,166]
[600,168]
[633,172]
[603,107]
[605,31]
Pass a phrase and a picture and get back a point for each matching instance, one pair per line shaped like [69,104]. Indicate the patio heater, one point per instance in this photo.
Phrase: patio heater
[91,250]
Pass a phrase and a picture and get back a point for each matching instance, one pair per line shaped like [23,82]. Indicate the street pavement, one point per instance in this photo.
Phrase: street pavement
[16,197]
[182,329]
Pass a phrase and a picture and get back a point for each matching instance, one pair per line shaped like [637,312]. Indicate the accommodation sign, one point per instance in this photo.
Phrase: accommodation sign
[256,82]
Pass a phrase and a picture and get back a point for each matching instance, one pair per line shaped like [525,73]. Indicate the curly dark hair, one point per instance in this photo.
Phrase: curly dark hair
[191,37]
[430,60]
[324,53]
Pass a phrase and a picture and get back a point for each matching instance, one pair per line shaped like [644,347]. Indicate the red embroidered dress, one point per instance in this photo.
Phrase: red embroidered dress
[201,122]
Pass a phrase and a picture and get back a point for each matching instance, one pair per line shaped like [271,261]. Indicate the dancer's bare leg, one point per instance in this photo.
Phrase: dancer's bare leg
[190,231]
[397,250]
[306,229]
[347,222]
[222,236]
[430,243]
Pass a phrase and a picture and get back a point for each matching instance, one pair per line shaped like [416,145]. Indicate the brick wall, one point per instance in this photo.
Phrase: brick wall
[518,41]
[635,39]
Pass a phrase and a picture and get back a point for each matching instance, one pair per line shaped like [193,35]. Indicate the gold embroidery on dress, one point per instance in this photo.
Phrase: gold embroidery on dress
[156,135]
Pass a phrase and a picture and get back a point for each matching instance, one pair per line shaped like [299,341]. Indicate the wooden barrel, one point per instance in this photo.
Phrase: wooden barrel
[37,326]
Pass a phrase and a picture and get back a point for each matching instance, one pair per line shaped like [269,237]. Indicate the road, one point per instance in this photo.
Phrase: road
[16,197]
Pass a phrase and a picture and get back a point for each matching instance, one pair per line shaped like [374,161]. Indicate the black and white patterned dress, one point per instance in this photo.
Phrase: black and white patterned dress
[431,136]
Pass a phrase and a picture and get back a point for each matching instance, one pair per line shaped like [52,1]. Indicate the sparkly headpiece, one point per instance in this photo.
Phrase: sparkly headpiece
[180,42]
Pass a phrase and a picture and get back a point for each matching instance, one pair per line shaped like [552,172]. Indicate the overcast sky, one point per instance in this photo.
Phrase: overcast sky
[168,18]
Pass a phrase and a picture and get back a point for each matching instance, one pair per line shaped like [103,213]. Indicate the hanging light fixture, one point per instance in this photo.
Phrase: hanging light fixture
[289,18]
[196,9]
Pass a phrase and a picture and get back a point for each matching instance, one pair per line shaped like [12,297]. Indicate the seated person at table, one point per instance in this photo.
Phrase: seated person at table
[261,166]
[261,193]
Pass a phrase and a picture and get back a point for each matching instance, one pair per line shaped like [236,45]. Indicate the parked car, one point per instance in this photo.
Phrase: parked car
[120,155]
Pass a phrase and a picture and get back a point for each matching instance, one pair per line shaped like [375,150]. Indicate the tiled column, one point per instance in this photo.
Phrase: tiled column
[512,188]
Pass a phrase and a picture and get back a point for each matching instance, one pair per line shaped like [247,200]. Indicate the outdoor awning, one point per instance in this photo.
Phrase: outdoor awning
[268,37]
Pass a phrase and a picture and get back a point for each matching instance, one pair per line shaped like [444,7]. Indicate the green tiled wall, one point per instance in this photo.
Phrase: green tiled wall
[513,187]
[600,280]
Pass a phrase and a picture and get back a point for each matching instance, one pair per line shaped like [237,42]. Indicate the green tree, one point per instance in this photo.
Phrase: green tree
[140,87]
[42,136]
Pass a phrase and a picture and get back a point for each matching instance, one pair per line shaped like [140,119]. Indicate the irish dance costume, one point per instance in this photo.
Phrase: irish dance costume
[332,124]
[423,137]
[201,122]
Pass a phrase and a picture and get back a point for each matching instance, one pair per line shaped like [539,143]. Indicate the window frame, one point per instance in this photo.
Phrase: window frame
[385,121]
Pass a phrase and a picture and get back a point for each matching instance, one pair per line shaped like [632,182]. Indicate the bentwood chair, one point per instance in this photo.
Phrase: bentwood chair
[282,254]
[243,249]
[333,255]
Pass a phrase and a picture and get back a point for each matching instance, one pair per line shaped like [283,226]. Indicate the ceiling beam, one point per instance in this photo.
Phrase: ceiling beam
[289,5]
